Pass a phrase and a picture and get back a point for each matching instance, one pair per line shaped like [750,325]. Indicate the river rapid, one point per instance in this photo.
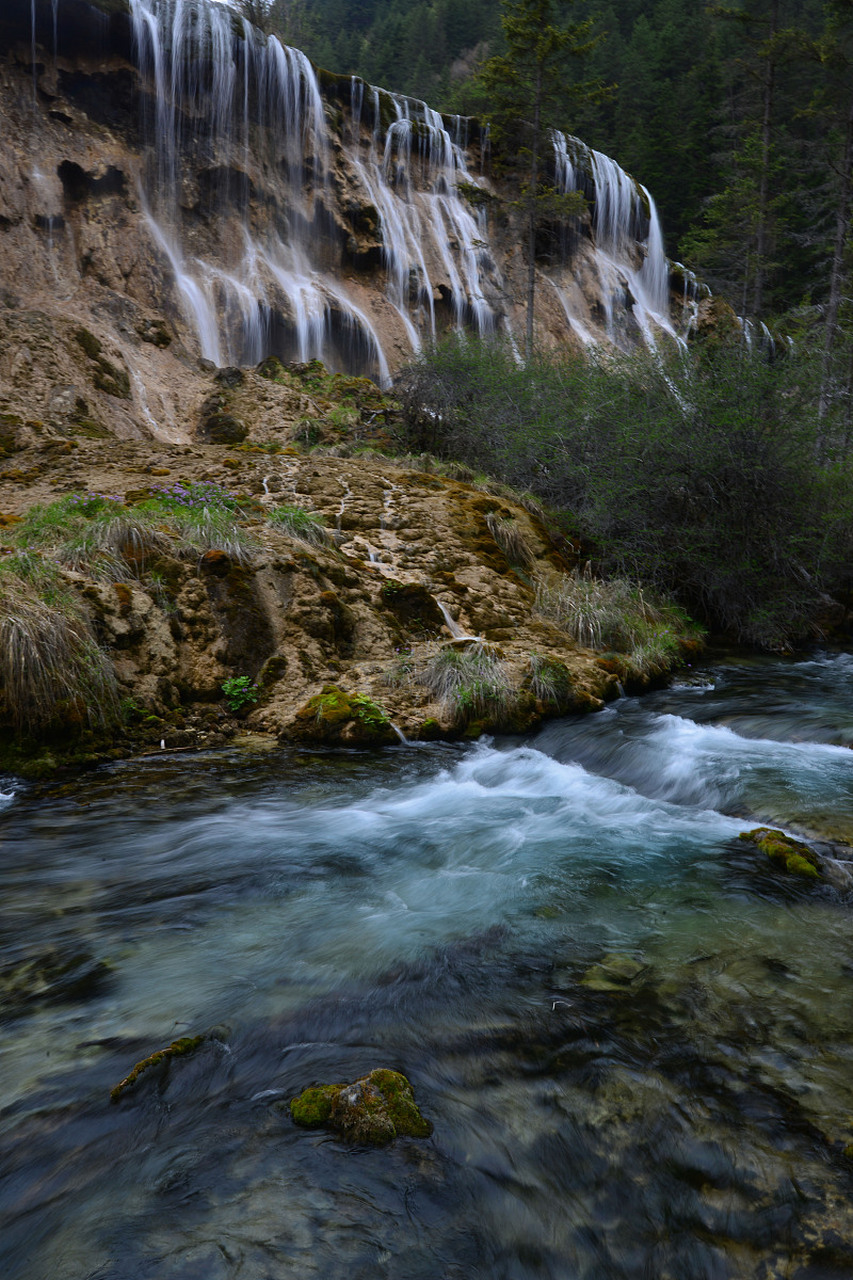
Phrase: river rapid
[633,1039]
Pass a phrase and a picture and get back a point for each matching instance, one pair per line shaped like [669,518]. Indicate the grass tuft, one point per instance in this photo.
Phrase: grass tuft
[511,540]
[49,657]
[613,615]
[470,683]
[301,525]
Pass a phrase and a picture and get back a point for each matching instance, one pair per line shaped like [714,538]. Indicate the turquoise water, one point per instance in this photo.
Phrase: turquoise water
[453,912]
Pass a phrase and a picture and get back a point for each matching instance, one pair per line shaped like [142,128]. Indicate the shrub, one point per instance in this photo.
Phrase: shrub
[240,691]
[704,476]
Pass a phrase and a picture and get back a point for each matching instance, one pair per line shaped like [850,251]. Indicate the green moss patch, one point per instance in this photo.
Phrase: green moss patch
[334,715]
[374,1109]
[787,854]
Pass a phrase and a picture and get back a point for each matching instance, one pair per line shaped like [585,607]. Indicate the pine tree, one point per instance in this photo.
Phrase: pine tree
[530,94]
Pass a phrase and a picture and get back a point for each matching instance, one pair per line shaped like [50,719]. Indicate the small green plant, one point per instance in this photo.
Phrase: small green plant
[240,691]
[130,711]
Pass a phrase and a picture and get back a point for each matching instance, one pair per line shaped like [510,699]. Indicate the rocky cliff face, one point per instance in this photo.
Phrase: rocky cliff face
[182,189]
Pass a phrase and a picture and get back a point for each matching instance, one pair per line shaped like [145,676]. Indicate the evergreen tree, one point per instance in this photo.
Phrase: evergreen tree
[530,94]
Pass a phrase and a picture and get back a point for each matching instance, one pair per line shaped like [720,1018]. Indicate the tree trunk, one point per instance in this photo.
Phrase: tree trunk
[764,176]
[836,279]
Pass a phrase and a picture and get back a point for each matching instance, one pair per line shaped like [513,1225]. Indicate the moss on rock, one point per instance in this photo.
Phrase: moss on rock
[177,1049]
[352,718]
[787,854]
[374,1109]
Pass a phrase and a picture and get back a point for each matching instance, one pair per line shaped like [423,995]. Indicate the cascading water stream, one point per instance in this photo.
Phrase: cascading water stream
[624,214]
[243,106]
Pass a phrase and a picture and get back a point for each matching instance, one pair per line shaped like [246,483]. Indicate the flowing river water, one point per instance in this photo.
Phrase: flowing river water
[634,1041]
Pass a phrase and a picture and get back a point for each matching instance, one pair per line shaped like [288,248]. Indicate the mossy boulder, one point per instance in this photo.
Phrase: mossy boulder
[352,719]
[373,1110]
[786,854]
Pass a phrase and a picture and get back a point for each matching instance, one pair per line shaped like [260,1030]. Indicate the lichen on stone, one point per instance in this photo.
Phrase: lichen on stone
[373,1110]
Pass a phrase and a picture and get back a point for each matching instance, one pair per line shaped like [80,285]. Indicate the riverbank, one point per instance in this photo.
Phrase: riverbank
[254,587]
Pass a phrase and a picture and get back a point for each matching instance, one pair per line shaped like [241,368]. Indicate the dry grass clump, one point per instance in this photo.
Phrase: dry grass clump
[612,614]
[510,539]
[469,683]
[49,658]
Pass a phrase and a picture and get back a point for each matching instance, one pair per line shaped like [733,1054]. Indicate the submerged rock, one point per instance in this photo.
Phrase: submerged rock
[50,976]
[788,855]
[374,1109]
[614,972]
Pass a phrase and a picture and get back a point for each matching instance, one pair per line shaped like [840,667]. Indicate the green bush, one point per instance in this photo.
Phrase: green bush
[704,476]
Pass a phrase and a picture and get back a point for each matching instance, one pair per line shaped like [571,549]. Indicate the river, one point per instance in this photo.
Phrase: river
[634,1040]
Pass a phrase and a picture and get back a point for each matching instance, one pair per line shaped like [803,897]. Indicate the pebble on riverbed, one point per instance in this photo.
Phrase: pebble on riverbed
[374,1109]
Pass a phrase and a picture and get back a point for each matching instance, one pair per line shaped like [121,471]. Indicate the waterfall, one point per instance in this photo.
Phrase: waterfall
[428,230]
[623,215]
[271,199]
[244,109]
